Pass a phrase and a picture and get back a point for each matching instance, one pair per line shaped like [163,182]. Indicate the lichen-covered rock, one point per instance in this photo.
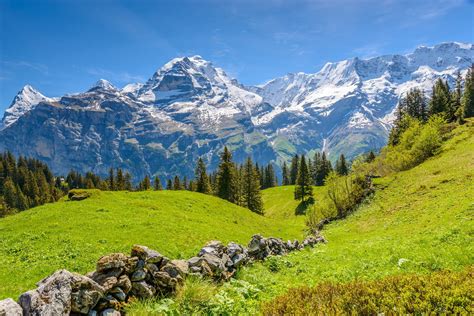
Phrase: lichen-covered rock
[124,283]
[142,290]
[213,247]
[313,240]
[138,275]
[9,307]
[146,254]
[107,279]
[60,294]
[112,261]
[110,312]
[258,248]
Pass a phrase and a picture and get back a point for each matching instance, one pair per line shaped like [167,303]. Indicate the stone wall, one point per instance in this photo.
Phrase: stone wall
[144,274]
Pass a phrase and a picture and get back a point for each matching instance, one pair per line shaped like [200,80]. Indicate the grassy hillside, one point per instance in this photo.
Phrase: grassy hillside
[419,221]
[73,235]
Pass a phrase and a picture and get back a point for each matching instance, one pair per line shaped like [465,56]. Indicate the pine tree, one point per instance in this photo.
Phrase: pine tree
[456,96]
[21,200]
[9,193]
[146,183]
[252,197]
[294,169]
[128,182]
[157,184]
[341,166]
[370,157]
[111,180]
[202,179]
[120,180]
[467,100]
[303,188]
[169,184]
[269,180]
[285,175]
[226,177]
[176,183]
[440,98]
[415,104]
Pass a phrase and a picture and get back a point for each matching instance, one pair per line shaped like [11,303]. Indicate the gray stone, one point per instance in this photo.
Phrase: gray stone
[142,290]
[119,294]
[146,254]
[110,312]
[112,261]
[138,275]
[124,283]
[60,294]
[213,247]
[9,307]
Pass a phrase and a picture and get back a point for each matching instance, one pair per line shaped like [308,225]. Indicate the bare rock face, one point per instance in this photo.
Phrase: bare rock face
[9,307]
[60,294]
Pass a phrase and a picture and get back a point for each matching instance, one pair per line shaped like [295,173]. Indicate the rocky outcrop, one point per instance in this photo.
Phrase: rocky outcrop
[144,274]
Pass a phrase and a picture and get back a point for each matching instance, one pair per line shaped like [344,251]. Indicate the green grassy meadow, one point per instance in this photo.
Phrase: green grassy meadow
[73,235]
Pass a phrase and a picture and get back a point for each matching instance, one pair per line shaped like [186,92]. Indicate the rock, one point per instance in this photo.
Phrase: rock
[60,294]
[142,290]
[107,302]
[119,294]
[107,279]
[238,260]
[124,283]
[277,246]
[258,248]
[110,312]
[147,254]
[112,261]
[92,313]
[310,241]
[9,307]
[234,249]
[213,247]
[78,195]
[138,275]
[181,266]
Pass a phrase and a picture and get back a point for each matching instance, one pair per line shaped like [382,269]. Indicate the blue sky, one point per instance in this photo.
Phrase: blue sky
[65,46]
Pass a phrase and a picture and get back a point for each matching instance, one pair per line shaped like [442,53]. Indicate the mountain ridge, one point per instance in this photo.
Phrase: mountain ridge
[190,108]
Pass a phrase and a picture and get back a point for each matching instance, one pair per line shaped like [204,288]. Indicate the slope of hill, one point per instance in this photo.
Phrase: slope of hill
[73,235]
[190,108]
[419,221]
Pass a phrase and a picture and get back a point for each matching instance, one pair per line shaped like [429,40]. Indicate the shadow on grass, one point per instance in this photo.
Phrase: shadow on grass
[302,208]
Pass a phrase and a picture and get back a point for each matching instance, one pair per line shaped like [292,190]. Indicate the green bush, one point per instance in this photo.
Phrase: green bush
[438,293]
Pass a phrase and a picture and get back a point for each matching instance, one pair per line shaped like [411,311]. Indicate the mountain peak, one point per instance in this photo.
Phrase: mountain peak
[103,84]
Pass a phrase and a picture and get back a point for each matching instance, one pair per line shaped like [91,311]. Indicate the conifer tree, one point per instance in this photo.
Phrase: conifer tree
[467,100]
[226,177]
[9,193]
[111,180]
[440,98]
[202,179]
[269,180]
[176,183]
[169,184]
[21,200]
[252,197]
[303,188]
[157,184]
[128,181]
[146,183]
[456,96]
[294,169]
[120,180]
[341,166]
[285,175]
[370,157]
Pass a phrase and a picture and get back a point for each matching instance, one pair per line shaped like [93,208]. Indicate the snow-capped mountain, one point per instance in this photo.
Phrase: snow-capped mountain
[189,108]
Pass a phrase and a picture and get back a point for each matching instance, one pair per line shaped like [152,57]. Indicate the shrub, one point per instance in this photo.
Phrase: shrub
[438,293]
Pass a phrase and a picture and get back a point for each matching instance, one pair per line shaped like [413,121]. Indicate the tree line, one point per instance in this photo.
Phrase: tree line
[453,105]
[25,183]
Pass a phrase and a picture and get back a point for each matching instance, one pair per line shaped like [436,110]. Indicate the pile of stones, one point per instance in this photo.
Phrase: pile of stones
[144,274]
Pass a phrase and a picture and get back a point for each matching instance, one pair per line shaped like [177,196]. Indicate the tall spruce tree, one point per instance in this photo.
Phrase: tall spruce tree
[128,181]
[226,177]
[111,180]
[285,175]
[440,98]
[169,184]
[303,188]
[176,183]
[157,184]
[294,169]
[467,100]
[202,179]
[120,180]
[252,197]
[341,166]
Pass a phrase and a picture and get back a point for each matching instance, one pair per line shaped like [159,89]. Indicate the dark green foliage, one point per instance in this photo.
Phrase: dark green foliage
[120,183]
[26,183]
[157,184]
[370,157]
[269,179]
[145,184]
[169,184]
[467,100]
[440,98]
[111,180]
[201,178]
[252,198]
[226,178]
[177,183]
[321,168]
[303,188]
[285,175]
[341,166]
[294,169]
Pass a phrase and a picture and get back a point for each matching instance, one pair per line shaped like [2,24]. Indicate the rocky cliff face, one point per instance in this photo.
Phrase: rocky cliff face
[189,108]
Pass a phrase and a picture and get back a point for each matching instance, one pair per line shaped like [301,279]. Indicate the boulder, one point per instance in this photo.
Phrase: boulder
[112,261]
[124,283]
[146,254]
[258,248]
[110,312]
[9,307]
[138,275]
[142,290]
[60,294]
[213,247]
[310,241]
[107,279]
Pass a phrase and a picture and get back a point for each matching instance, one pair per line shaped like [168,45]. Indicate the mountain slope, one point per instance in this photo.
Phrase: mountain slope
[189,108]
[73,235]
